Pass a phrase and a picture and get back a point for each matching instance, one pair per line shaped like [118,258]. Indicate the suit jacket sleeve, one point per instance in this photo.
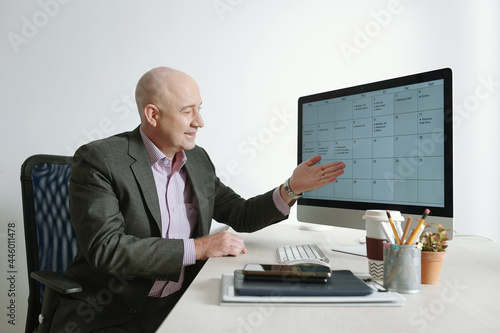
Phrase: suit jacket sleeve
[219,202]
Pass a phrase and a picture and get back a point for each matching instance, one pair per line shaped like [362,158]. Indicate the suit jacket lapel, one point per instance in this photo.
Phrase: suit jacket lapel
[141,169]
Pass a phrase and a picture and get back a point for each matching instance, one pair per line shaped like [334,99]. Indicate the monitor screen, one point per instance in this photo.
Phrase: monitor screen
[395,137]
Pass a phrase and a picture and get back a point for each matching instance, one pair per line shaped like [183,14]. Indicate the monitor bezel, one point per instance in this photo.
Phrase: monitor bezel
[446,75]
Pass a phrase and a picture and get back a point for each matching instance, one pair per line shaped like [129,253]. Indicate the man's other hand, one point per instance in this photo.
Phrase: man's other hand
[220,244]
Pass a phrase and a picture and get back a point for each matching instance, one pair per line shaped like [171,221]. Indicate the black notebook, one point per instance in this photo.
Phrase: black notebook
[342,283]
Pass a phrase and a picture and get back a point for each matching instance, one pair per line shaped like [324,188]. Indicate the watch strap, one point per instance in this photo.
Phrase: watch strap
[289,191]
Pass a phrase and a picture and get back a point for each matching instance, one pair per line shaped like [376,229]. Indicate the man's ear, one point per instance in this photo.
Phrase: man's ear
[151,114]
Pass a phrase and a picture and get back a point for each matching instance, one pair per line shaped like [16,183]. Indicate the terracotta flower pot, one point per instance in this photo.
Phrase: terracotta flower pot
[431,266]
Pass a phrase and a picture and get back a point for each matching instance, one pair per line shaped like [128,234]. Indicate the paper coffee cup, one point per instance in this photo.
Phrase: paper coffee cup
[375,222]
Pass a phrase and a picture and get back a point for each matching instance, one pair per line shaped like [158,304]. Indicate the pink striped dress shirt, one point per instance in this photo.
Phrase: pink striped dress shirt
[178,208]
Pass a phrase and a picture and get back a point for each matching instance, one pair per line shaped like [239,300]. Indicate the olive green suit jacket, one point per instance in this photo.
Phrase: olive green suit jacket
[116,215]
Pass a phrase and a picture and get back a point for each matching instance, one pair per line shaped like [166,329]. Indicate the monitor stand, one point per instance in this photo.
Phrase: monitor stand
[357,250]
[315,227]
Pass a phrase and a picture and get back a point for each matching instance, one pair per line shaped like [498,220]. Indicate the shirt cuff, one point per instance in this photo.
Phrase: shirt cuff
[280,204]
[189,252]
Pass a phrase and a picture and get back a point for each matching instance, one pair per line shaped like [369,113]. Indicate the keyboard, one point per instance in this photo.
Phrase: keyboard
[306,251]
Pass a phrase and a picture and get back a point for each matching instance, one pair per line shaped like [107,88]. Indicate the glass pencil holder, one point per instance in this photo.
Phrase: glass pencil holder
[402,268]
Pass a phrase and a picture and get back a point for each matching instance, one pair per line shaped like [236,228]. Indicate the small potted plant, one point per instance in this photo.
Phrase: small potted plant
[433,252]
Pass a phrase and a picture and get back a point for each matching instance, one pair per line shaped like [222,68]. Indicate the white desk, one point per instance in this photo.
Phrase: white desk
[466,299]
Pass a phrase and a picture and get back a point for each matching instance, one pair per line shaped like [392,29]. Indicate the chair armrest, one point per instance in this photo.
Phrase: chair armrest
[59,282]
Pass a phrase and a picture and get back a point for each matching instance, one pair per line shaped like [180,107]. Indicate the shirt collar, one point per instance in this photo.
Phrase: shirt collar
[155,154]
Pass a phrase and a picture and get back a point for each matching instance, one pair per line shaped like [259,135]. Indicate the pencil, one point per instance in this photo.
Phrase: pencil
[420,223]
[398,241]
[405,232]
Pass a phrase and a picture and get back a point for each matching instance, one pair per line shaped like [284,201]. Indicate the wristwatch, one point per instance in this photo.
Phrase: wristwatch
[289,190]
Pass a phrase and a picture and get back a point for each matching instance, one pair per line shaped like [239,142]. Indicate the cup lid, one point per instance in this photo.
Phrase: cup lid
[381,215]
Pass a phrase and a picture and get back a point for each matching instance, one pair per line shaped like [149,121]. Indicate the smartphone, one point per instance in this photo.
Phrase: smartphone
[289,273]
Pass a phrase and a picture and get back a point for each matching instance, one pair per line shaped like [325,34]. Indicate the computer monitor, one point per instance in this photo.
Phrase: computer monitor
[395,137]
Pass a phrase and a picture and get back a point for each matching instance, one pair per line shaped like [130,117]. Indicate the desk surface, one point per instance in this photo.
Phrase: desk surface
[466,299]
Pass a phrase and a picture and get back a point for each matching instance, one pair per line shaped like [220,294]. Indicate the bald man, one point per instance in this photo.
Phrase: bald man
[142,203]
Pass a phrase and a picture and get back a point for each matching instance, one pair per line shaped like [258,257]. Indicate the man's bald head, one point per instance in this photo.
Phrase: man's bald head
[169,104]
[155,85]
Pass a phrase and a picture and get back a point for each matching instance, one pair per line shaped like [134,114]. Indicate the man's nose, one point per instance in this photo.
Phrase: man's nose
[198,120]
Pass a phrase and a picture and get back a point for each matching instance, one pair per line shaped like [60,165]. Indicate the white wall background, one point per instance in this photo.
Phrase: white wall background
[68,70]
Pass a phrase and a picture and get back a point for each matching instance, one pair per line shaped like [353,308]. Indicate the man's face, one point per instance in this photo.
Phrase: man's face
[179,117]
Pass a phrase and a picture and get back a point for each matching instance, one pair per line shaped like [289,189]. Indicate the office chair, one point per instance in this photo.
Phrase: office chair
[50,239]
